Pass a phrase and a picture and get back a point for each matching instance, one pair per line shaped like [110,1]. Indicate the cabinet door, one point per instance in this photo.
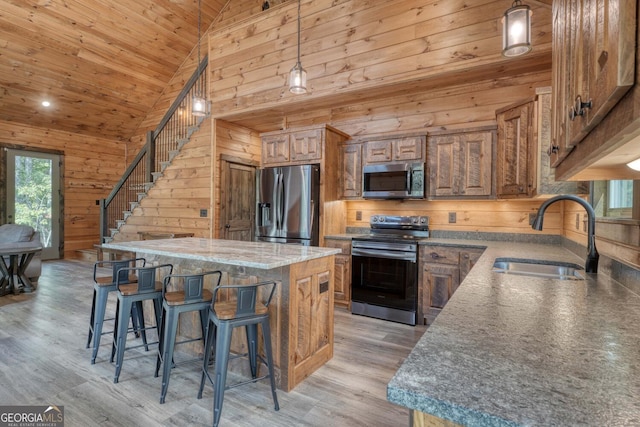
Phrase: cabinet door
[442,161]
[342,282]
[378,151]
[516,160]
[275,149]
[560,144]
[306,145]
[409,148]
[352,171]
[468,258]
[611,38]
[476,158]
[440,281]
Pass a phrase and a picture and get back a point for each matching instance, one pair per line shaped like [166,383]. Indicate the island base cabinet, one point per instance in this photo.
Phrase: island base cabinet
[420,419]
[311,317]
[300,314]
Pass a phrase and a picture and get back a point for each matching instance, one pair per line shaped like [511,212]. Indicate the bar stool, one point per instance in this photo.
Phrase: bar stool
[224,316]
[181,293]
[146,288]
[101,288]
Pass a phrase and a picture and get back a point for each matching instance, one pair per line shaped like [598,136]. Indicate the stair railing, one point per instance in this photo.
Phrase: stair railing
[174,130]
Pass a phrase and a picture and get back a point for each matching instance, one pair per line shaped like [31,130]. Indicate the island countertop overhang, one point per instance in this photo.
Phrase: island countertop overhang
[259,255]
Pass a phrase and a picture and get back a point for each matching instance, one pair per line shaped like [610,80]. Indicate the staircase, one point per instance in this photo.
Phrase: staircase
[162,146]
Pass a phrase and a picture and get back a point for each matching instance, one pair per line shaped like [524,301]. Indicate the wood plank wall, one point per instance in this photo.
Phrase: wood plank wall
[92,166]
[353,46]
[174,203]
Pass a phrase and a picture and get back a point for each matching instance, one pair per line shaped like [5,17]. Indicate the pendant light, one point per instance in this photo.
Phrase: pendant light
[516,30]
[298,76]
[199,103]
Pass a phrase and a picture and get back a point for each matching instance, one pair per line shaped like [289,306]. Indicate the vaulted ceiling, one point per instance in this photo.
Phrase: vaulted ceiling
[101,63]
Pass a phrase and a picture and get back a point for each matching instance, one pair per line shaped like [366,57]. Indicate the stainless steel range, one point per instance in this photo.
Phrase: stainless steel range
[385,268]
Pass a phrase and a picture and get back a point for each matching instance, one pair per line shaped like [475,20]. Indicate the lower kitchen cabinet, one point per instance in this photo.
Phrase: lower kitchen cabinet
[442,269]
[342,279]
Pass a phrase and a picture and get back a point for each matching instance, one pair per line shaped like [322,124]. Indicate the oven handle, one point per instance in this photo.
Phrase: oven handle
[383,254]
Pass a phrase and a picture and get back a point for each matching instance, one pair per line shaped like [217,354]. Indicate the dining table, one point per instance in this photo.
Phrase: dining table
[13,278]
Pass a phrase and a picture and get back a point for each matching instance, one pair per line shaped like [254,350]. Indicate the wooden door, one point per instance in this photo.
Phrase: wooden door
[275,149]
[237,201]
[408,148]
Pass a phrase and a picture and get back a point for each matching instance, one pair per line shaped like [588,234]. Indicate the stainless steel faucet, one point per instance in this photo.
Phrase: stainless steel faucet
[591,264]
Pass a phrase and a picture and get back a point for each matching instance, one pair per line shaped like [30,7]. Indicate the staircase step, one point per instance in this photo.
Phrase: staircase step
[156,175]
[126,214]
[133,205]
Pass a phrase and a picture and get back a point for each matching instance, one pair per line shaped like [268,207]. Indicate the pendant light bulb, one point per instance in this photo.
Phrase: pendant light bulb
[635,165]
[298,76]
[516,30]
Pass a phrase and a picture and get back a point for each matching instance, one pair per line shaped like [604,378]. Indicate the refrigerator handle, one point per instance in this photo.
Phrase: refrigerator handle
[279,201]
[313,210]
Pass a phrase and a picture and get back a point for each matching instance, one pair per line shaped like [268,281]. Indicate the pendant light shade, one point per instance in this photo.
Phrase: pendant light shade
[516,30]
[298,76]
[198,106]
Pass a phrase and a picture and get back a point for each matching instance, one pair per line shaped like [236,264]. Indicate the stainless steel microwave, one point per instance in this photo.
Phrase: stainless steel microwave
[393,181]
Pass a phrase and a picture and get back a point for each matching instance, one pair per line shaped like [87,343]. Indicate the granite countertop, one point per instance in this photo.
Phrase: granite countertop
[510,350]
[231,252]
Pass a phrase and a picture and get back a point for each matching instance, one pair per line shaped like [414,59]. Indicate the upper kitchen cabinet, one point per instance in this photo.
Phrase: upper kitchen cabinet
[594,67]
[410,148]
[523,166]
[300,145]
[516,157]
[318,144]
[460,163]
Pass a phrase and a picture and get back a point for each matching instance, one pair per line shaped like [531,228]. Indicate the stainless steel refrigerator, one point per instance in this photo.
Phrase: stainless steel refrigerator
[288,204]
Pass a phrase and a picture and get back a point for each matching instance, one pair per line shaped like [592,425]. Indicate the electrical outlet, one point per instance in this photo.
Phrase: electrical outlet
[358,215]
[452,217]
[203,213]
[532,218]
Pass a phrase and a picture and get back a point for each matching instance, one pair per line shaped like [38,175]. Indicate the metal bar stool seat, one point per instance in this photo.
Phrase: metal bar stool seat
[182,293]
[102,287]
[224,316]
[146,288]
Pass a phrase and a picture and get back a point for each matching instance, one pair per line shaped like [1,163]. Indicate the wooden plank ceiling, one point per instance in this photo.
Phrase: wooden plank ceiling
[101,63]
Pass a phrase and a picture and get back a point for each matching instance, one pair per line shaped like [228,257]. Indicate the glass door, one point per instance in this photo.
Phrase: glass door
[33,195]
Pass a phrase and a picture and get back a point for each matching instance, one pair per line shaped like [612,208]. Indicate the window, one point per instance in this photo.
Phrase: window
[613,199]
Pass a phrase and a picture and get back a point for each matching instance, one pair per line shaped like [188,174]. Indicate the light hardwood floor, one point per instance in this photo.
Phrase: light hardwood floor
[43,361]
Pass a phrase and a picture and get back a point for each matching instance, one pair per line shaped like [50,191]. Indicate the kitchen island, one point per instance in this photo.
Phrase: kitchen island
[301,313]
[513,350]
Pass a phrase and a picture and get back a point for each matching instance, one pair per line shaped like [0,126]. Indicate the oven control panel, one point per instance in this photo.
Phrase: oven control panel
[398,221]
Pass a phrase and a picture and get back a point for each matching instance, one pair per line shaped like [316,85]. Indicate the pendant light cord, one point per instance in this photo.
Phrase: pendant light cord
[199,18]
[299,31]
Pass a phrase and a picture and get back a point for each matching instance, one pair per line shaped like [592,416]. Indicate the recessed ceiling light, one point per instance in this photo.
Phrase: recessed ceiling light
[635,165]
[46,103]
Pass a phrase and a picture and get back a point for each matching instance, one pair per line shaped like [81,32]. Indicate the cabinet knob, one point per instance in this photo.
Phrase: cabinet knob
[435,255]
[579,106]
[553,149]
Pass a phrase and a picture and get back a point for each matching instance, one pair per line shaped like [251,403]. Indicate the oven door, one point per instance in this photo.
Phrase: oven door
[384,284]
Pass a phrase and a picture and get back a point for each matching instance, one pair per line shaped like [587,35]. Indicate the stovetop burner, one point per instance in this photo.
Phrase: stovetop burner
[395,227]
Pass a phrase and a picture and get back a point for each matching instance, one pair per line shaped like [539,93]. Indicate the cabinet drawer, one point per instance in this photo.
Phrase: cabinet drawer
[440,254]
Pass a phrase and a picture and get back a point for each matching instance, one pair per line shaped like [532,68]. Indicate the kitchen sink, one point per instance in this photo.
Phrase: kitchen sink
[538,268]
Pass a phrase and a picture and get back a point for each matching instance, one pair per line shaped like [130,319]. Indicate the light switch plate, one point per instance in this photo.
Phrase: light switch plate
[203,213]
[452,217]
